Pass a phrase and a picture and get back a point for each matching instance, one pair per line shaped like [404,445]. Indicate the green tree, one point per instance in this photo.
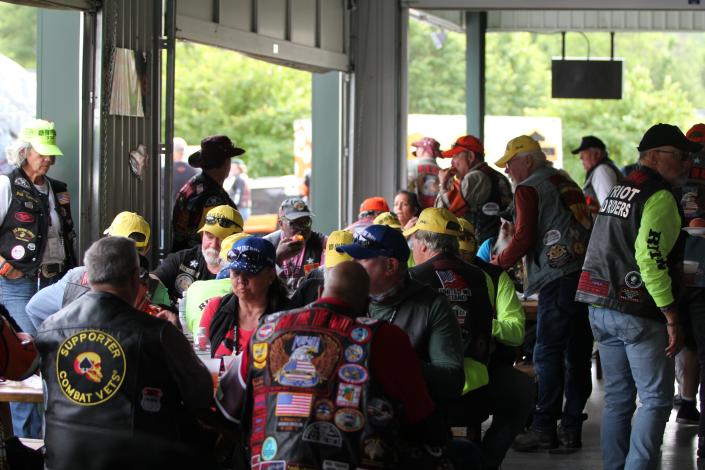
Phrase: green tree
[18,34]
[436,76]
[253,102]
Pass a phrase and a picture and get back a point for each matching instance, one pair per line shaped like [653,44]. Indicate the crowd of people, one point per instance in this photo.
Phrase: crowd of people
[364,347]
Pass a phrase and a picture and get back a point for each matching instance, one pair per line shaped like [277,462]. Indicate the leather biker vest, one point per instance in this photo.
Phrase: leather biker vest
[23,234]
[611,276]
[315,403]
[466,290]
[562,228]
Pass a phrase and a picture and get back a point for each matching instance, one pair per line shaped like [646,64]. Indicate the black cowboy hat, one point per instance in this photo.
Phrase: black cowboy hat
[214,151]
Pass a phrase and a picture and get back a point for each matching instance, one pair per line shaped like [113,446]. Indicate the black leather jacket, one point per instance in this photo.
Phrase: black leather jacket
[122,388]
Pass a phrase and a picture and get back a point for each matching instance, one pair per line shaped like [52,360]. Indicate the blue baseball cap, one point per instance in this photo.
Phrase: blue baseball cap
[251,255]
[377,240]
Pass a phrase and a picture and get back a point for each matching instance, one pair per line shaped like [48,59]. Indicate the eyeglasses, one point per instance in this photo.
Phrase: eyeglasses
[676,153]
[303,222]
[222,221]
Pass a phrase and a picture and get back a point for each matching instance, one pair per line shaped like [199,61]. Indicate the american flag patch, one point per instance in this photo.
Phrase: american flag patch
[446,277]
[63,198]
[293,404]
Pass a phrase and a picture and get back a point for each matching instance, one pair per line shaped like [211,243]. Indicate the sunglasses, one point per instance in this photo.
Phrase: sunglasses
[222,221]
[303,222]
[138,237]
[360,239]
[249,257]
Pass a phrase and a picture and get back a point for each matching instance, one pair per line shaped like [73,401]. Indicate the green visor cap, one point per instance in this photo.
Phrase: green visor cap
[42,135]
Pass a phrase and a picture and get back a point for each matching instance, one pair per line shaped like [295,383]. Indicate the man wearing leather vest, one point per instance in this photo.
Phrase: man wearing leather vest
[552,230]
[202,262]
[424,314]
[629,278]
[472,189]
[435,246]
[203,191]
[123,389]
[601,172]
[321,387]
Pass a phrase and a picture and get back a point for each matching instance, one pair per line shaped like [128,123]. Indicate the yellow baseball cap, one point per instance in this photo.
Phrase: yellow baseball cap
[226,244]
[517,145]
[437,220]
[42,135]
[389,219]
[130,225]
[335,239]
[466,239]
[222,221]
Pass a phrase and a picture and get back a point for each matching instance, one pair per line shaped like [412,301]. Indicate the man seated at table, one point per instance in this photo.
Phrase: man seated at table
[123,389]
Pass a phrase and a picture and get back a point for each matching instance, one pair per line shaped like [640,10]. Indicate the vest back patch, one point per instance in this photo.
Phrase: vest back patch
[90,367]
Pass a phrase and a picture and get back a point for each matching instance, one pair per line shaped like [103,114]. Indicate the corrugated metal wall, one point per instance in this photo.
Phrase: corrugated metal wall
[135,25]
[587,20]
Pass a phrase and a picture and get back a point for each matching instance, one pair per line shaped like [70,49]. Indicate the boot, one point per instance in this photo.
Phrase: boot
[570,441]
[534,440]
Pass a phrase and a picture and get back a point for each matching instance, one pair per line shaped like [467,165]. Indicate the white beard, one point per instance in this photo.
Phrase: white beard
[212,257]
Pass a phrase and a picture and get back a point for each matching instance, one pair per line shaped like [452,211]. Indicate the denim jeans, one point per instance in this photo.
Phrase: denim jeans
[562,356]
[14,295]
[633,361]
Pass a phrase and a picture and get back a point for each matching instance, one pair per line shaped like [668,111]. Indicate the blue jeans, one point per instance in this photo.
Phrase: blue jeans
[14,295]
[562,356]
[633,361]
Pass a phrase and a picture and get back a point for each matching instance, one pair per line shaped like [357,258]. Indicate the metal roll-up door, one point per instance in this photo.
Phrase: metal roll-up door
[89,5]
[305,34]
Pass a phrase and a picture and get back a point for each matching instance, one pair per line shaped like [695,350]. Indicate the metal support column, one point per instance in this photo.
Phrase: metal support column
[326,112]
[58,92]
[476,26]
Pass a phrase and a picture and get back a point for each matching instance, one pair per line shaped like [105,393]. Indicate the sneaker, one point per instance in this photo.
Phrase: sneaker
[534,440]
[688,413]
[570,441]
[677,399]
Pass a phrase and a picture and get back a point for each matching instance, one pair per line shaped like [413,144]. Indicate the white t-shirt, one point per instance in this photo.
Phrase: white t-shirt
[603,178]
[54,251]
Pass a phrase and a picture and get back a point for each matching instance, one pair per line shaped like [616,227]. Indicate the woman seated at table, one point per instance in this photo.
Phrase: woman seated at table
[256,290]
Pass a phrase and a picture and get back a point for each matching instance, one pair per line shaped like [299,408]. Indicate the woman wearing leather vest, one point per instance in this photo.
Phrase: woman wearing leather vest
[229,321]
[36,236]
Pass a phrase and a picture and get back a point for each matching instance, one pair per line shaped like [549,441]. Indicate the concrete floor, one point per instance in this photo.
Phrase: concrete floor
[677,452]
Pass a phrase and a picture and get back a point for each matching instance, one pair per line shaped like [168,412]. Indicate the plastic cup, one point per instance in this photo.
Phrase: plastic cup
[690,268]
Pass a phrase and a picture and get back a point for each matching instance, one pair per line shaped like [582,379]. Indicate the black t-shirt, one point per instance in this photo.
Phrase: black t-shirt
[179,270]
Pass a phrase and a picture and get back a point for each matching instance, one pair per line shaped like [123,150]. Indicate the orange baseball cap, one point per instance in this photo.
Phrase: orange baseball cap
[376,204]
[696,133]
[463,144]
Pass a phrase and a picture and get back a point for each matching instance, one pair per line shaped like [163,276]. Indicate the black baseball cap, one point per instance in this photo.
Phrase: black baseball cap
[661,135]
[589,141]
